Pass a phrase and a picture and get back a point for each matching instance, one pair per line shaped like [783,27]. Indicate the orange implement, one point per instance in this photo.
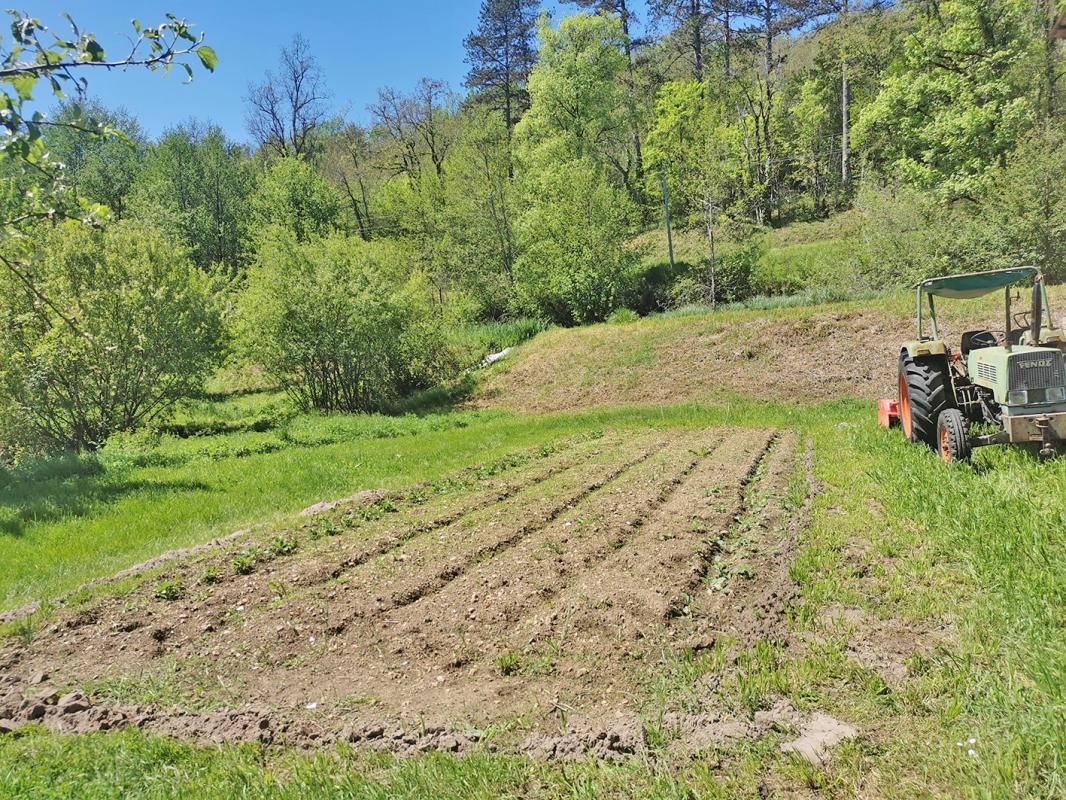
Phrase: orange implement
[887,413]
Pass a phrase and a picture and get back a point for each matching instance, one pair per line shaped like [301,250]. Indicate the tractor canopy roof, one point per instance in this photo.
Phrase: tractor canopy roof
[975,284]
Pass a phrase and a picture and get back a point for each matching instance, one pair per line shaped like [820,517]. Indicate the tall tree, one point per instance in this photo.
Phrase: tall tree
[350,165]
[100,169]
[691,20]
[774,21]
[417,126]
[198,184]
[287,108]
[960,97]
[501,55]
[624,11]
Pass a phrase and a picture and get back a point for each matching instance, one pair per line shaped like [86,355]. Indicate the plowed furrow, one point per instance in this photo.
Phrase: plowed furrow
[631,594]
[390,535]
[427,563]
[497,591]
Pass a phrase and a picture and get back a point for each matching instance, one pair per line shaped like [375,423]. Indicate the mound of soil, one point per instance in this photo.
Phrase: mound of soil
[533,598]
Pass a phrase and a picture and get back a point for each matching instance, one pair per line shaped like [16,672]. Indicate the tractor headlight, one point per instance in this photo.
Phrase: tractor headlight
[1019,397]
[1056,394]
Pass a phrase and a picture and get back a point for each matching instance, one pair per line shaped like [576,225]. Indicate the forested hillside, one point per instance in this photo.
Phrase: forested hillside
[806,145]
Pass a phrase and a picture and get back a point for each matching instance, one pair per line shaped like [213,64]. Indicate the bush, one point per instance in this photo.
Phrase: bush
[908,236]
[731,281]
[575,266]
[138,330]
[333,324]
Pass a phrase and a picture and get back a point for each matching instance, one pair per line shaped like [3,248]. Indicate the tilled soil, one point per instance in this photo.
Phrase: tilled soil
[530,595]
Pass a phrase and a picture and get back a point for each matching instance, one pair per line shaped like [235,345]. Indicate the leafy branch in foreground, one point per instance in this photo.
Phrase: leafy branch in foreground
[33,53]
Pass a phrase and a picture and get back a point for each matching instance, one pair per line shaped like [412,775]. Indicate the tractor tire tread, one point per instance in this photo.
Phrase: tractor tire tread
[930,393]
[958,443]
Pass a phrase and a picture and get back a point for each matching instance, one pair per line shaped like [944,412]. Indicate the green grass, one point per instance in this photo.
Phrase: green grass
[973,555]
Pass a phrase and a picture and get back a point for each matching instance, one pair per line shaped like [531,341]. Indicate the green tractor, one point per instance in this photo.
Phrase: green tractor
[999,387]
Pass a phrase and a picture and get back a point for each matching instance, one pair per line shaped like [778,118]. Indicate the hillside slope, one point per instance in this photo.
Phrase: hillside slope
[794,355]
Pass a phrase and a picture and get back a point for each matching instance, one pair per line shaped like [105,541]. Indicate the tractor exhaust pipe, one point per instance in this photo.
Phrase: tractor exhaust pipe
[1038,309]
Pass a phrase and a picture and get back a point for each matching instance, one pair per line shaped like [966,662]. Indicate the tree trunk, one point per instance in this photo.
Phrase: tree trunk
[727,37]
[845,105]
[638,154]
[696,18]
[709,215]
[768,62]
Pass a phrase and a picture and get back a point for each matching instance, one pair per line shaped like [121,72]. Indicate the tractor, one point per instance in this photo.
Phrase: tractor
[999,387]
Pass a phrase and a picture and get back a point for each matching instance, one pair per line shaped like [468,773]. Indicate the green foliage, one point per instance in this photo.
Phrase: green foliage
[959,98]
[575,90]
[574,265]
[729,281]
[291,196]
[1028,203]
[196,185]
[334,322]
[101,168]
[130,328]
[169,590]
[34,54]
[621,316]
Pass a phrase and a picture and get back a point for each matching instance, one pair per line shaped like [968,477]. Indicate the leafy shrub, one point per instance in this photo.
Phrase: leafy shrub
[575,266]
[908,236]
[130,327]
[243,563]
[283,546]
[729,282]
[329,321]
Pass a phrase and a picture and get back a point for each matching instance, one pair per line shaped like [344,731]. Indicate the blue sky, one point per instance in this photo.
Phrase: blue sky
[361,45]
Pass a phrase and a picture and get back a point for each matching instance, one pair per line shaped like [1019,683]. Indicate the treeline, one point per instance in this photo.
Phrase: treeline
[342,257]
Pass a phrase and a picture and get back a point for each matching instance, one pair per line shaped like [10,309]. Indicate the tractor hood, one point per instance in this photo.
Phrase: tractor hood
[975,284]
[1021,376]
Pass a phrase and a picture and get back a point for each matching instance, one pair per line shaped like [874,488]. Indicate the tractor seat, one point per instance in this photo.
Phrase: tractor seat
[975,340]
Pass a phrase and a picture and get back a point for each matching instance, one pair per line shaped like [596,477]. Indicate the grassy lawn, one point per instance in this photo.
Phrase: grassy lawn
[968,561]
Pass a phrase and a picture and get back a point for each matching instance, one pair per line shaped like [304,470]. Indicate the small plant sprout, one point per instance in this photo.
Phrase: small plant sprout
[169,590]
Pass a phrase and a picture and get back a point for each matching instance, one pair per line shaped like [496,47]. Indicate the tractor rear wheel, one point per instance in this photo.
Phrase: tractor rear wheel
[924,392]
[954,444]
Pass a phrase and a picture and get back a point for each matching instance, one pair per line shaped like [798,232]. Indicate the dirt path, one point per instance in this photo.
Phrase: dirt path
[530,589]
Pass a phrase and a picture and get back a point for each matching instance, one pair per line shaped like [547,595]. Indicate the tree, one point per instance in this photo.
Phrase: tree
[959,98]
[291,196]
[36,54]
[501,55]
[627,18]
[691,20]
[773,21]
[574,264]
[148,333]
[98,169]
[287,108]
[577,93]
[337,325]
[479,211]
[416,126]
[350,165]
[198,184]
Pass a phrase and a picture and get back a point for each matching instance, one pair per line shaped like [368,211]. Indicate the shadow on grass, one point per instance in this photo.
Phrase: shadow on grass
[49,492]
[439,399]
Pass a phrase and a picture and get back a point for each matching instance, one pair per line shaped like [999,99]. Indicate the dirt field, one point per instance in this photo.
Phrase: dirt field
[534,597]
